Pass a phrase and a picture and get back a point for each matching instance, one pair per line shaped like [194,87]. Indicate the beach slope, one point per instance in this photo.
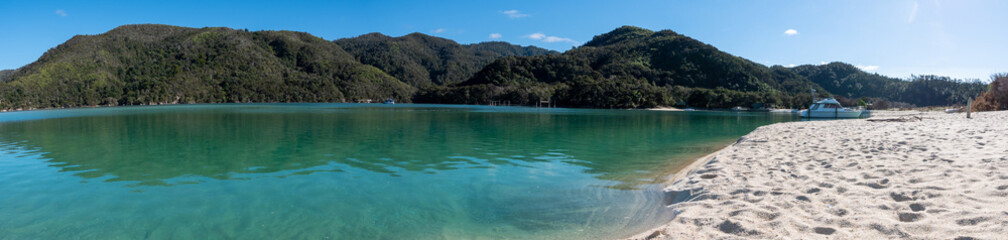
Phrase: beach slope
[896,175]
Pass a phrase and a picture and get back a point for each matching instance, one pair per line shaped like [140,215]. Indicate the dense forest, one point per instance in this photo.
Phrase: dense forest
[848,81]
[632,67]
[628,67]
[423,61]
[156,64]
[4,74]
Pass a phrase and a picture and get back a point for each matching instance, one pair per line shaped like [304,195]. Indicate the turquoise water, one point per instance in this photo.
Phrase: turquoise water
[346,171]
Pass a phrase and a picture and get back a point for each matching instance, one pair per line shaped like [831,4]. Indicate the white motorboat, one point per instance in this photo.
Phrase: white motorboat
[830,108]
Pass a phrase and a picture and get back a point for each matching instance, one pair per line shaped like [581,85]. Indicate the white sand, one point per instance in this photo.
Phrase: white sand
[672,109]
[942,177]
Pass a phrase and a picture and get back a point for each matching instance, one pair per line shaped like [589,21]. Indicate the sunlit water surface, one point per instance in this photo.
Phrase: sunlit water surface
[349,171]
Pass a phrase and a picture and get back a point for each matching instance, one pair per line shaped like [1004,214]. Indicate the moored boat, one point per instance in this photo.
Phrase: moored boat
[954,110]
[830,108]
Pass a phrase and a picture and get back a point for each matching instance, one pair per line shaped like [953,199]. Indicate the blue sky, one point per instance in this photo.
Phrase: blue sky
[961,39]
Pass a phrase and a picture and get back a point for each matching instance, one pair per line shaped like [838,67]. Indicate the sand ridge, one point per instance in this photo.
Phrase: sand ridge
[929,176]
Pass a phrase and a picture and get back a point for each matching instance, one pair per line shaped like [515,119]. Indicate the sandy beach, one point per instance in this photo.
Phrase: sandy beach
[927,176]
[670,109]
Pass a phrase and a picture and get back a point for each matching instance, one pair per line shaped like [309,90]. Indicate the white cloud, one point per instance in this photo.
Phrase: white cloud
[550,39]
[790,32]
[913,13]
[791,65]
[439,30]
[61,13]
[514,14]
[868,68]
[495,36]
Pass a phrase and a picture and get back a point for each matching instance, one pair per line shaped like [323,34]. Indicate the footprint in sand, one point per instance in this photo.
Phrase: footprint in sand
[730,227]
[824,230]
[909,217]
[884,183]
[840,212]
[971,221]
[900,197]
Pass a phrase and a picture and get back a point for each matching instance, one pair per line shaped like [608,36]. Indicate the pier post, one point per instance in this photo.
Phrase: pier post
[969,107]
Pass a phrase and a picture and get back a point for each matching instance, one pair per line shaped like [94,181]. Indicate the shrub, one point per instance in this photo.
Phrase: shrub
[996,97]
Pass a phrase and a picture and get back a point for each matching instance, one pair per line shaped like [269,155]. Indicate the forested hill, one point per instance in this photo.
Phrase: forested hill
[632,67]
[423,60]
[628,67]
[925,90]
[4,74]
[146,64]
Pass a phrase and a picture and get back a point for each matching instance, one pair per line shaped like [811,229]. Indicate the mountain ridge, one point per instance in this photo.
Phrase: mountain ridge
[156,64]
[424,60]
[629,67]
[632,67]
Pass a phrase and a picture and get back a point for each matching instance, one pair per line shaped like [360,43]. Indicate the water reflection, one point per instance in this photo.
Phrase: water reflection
[157,145]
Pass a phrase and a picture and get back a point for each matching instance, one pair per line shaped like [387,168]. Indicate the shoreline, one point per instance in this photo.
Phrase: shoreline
[669,109]
[657,109]
[679,175]
[858,178]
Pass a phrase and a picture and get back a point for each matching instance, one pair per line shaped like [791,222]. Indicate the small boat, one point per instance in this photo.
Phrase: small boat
[784,111]
[390,101]
[953,110]
[830,108]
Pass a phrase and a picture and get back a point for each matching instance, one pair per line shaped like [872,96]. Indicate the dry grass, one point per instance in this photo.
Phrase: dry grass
[996,98]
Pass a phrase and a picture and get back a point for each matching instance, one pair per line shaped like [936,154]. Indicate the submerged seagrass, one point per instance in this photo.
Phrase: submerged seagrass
[348,170]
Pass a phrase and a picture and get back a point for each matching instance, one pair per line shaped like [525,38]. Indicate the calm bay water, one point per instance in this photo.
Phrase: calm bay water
[347,171]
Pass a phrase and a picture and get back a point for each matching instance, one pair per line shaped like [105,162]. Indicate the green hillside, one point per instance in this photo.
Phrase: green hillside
[632,67]
[423,60]
[4,74]
[156,64]
[849,81]
[629,67]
